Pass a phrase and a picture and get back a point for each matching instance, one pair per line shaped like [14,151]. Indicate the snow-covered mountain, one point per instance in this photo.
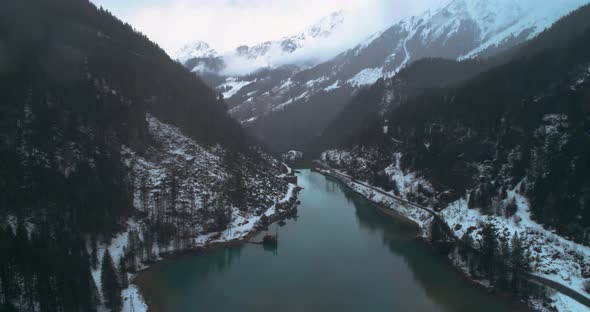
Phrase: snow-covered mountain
[199,57]
[270,51]
[501,149]
[197,49]
[459,30]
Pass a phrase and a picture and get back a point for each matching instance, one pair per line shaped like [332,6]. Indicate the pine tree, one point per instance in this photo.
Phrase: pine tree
[471,203]
[503,193]
[464,247]
[4,272]
[144,193]
[10,288]
[436,233]
[222,214]
[503,262]
[129,255]
[489,250]
[549,208]
[44,288]
[24,263]
[511,208]
[523,188]
[111,290]
[93,253]
[172,185]
[85,282]
[123,279]
[518,263]
[134,249]
[238,191]
[148,242]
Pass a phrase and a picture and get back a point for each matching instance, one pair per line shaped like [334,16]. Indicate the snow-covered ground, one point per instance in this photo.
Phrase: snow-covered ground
[366,77]
[334,86]
[552,256]
[233,86]
[407,182]
[385,199]
[242,226]
[418,216]
[289,102]
[116,249]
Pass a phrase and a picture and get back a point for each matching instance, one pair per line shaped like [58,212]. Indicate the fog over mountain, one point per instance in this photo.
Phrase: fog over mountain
[319,42]
[225,25]
[288,98]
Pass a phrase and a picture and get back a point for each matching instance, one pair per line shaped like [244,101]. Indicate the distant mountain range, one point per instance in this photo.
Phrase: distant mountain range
[288,105]
[198,56]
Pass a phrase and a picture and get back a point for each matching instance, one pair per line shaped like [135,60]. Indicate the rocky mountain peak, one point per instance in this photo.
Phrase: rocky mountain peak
[196,49]
[325,26]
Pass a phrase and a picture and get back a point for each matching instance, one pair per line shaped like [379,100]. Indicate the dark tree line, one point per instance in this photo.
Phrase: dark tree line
[77,84]
[501,259]
[48,269]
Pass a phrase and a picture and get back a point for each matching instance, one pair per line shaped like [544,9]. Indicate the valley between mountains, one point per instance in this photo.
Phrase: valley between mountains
[441,163]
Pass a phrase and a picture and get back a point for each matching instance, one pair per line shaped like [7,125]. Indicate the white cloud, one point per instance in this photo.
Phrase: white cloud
[225,24]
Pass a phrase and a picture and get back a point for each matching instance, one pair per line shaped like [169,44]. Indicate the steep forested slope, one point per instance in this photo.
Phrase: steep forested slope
[379,99]
[505,154]
[369,104]
[99,125]
[527,120]
[291,112]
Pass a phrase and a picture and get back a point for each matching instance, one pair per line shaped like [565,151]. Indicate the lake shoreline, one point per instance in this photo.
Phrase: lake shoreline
[146,288]
[390,213]
[149,287]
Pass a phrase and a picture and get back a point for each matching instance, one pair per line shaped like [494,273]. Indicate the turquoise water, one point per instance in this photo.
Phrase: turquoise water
[341,254]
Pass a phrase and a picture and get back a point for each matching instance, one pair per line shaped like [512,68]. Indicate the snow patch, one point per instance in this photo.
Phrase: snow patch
[366,77]
[233,86]
[289,102]
[312,83]
[334,86]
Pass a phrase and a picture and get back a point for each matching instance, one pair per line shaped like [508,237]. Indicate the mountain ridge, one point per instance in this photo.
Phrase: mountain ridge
[262,103]
[268,54]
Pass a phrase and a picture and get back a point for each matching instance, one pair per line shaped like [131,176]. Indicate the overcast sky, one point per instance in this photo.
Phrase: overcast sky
[226,24]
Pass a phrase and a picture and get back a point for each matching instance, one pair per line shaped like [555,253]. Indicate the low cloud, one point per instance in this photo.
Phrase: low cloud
[226,24]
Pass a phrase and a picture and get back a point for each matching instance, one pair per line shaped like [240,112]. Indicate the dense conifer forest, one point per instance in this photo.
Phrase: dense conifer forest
[77,84]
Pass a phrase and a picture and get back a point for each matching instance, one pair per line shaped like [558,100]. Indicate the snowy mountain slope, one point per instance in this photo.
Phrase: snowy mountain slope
[322,29]
[202,173]
[270,54]
[197,49]
[502,149]
[462,29]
